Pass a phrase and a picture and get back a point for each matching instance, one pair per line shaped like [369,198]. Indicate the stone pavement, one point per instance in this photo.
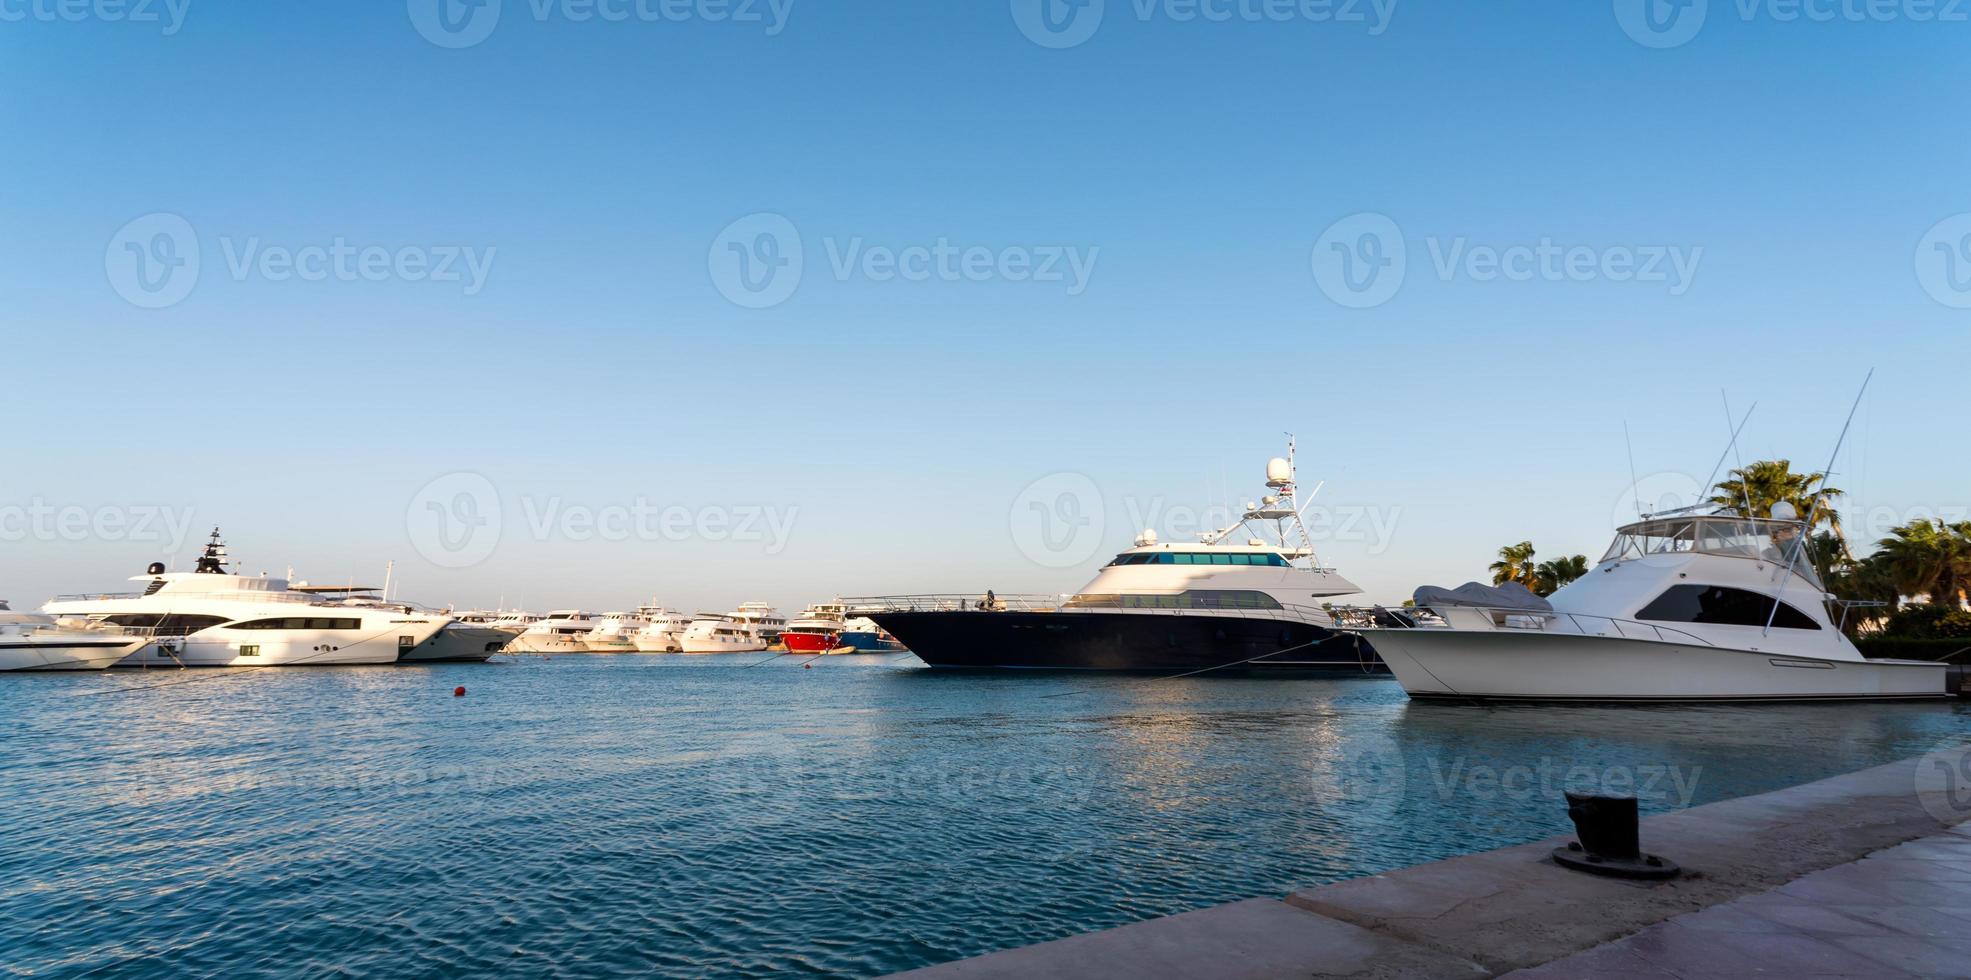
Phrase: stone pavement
[1861,875]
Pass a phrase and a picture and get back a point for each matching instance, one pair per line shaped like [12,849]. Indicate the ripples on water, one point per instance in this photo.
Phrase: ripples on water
[686,816]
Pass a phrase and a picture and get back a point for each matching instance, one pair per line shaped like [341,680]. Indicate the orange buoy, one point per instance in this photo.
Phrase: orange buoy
[458,692]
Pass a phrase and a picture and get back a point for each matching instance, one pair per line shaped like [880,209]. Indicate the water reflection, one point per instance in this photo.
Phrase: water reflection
[682,815]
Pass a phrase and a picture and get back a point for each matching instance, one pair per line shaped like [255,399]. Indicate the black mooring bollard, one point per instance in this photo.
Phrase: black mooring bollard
[1609,840]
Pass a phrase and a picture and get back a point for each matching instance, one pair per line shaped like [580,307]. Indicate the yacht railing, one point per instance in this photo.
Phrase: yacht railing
[868,605]
[1536,620]
[174,597]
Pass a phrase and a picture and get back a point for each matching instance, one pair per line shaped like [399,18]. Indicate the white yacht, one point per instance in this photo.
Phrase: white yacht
[32,642]
[663,631]
[1683,607]
[1240,598]
[765,620]
[210,617]
[722,633]
[614,633]
[560,631]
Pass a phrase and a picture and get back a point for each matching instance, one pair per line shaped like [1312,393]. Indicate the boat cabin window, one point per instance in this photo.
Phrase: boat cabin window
[156,624]
[1718,606]
[1201,558]
[1774,542]
[299,623]
[1194,599]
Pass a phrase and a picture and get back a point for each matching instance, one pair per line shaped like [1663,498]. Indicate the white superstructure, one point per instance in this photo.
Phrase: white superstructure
[615,633]
[1681,608]
[210,617]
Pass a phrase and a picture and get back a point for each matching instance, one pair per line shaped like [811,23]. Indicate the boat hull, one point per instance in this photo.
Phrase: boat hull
[663,645]
[459,644]
[694,645]
[1535,666]
[862,641]
[803,642]
[50,654]
[1125,642]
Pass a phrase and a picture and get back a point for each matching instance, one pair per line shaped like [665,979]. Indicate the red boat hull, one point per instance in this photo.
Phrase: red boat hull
[808,642]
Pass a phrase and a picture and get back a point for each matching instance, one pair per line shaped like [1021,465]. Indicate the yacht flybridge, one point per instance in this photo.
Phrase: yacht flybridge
[1243,597]
[1683,607]
[212,617]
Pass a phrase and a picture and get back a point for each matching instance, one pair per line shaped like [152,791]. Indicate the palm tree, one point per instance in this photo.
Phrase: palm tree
[1927,556]
[1753,490]
[1551,576]
[1515,564]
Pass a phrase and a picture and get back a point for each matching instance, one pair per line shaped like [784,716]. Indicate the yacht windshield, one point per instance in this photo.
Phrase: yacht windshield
[1776,542]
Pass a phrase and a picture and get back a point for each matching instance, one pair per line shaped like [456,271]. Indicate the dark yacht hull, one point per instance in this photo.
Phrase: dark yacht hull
[1126,642]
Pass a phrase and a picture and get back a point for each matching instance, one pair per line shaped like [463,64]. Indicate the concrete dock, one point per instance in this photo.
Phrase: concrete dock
[1866,874]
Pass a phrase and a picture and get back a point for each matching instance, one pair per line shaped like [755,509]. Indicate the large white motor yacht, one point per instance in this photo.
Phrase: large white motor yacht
[32,642]
[722,633]
[560,631]
[1681,608]
[211,617]
[1241,598]
[662,631]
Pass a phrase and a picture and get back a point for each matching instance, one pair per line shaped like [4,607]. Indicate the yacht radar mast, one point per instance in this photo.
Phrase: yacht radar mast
[213,561]
[1277,507]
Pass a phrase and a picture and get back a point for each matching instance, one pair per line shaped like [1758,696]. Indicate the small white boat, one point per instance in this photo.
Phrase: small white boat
[32,642]
[1681,608]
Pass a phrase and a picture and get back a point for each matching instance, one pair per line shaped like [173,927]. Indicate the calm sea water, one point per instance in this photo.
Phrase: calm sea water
[690,816]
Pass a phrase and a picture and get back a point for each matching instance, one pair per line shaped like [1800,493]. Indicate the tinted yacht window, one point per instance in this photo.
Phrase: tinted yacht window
[1718,606]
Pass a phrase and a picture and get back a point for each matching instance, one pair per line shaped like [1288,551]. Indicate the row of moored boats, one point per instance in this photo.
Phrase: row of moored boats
[212,616]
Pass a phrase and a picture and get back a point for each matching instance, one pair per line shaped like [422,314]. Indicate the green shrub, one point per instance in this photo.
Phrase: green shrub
[1929,621]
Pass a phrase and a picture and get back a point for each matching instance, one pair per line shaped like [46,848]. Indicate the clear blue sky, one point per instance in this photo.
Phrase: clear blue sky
[598,361]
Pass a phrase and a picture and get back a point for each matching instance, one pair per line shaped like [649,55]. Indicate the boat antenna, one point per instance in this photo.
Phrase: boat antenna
[1635,485]
[1745,491]
[1813,513]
